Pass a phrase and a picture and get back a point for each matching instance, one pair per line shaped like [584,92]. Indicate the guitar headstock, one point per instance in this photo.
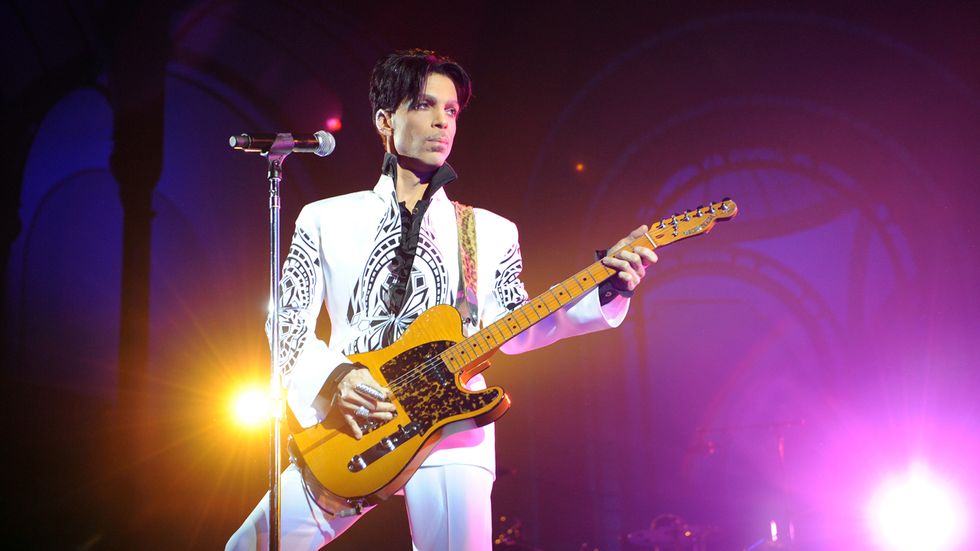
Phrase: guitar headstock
[692,222]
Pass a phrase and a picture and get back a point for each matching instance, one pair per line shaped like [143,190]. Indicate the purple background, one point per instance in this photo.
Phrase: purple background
[836,315]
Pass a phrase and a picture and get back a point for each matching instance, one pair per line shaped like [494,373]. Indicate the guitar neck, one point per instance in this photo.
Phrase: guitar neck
[522,318]
[483,343]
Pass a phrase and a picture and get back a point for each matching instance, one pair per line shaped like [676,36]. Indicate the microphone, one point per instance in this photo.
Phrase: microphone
[320,143]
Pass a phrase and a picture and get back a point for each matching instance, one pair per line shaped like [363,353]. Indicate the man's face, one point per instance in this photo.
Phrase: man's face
[423,133]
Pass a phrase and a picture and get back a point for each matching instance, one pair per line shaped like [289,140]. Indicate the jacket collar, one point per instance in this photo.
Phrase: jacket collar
[386,184]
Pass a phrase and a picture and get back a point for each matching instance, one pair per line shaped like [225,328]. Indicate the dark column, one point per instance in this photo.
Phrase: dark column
[136,90]
[14,157]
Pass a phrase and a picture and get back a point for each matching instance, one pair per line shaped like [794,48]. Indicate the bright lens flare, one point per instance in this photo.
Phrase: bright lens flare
[251,407]
[917,511]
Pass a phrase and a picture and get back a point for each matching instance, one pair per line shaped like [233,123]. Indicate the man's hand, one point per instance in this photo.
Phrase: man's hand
[631,265]
[361,400]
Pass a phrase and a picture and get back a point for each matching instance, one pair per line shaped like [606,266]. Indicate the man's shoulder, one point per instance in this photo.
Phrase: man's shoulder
[491,218]
[340,211]
[343,203]
[495,226]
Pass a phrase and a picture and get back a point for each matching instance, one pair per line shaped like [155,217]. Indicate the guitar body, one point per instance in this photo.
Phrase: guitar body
[427,394]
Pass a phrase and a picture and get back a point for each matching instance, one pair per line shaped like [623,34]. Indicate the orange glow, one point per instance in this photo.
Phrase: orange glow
[579,167]
[251,407]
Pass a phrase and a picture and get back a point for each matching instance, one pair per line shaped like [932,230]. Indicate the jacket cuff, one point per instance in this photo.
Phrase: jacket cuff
[328,391]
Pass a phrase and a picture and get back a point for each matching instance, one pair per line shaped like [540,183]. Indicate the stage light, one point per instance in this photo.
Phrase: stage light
[251,407]
[333,124]
[579,167]
[917,511]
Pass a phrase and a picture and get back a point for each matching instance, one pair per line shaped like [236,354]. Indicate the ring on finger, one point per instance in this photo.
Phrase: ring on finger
[370,391]
[361,412]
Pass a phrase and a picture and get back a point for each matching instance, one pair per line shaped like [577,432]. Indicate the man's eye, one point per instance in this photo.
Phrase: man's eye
[453,112]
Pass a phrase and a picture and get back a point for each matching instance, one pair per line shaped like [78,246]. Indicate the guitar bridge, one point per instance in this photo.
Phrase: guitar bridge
[386,445]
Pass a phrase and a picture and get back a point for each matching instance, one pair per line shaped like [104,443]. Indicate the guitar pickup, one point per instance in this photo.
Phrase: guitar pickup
[386,445]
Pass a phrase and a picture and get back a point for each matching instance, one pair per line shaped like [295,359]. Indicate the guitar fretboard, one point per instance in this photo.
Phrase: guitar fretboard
[523,317]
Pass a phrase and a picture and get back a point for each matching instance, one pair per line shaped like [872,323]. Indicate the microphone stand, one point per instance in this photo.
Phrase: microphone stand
[275,383]
[276,155]
[281,146]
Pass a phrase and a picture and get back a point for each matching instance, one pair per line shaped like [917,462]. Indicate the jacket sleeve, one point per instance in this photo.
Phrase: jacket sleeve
[305,360]
[582,316]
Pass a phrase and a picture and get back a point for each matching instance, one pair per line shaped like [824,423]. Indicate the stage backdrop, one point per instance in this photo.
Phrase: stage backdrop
[774,370]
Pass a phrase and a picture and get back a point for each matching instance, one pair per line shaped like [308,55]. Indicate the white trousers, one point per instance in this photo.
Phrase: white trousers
[448,510]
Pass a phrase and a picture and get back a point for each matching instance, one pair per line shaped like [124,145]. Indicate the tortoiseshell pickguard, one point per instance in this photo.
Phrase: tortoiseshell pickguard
[426,388]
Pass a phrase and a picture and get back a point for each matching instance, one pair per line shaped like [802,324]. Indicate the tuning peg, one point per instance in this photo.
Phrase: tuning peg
[698,213]
[711,208]
[687,216]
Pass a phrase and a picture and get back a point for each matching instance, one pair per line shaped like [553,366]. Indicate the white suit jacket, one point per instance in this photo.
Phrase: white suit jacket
[341,256]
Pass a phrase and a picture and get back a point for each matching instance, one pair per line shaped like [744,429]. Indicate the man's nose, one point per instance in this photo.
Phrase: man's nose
[441,119]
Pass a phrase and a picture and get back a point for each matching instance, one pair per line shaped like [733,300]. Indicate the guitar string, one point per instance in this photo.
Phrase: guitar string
[421,370]
[414,374]
[428,365]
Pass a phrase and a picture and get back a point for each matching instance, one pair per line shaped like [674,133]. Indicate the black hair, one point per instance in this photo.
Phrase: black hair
[401,75]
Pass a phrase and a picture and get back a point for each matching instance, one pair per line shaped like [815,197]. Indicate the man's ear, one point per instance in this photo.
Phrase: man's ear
[382,121]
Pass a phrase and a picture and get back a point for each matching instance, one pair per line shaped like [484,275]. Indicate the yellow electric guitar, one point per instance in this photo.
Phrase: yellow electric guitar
[425,371]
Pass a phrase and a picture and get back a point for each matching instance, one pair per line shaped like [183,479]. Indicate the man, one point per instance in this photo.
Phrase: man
[380,258]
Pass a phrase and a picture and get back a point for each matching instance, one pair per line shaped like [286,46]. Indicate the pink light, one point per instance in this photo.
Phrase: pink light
[333,124]
[917,511]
